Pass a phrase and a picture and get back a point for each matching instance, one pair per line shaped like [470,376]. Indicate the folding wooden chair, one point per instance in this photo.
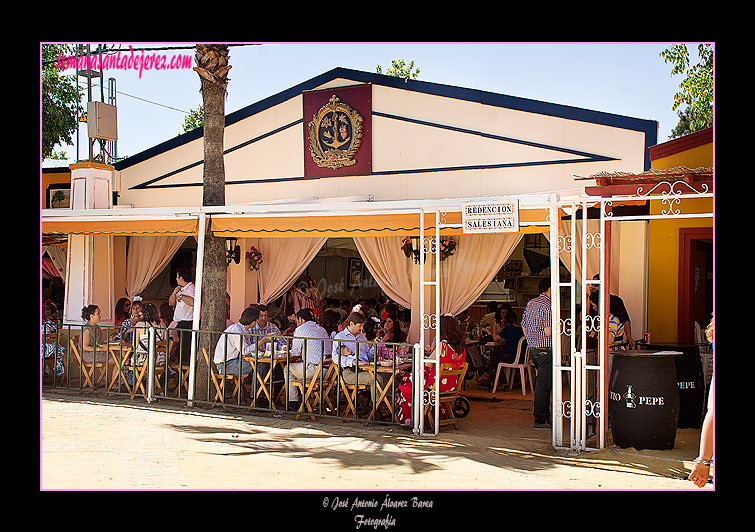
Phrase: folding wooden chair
[182,367]
[310,389]
[88,369]
[140,372]
[347,389]
[448,397]
[217,380]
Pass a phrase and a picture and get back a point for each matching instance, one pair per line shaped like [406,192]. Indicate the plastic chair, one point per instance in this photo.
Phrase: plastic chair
[521,362]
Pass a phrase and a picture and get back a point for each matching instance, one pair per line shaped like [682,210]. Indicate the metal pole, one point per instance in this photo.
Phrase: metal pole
[197,301]
[557,429]
[151,367]
[419,374]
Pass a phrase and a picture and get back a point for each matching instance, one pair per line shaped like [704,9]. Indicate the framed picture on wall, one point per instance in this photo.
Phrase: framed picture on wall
[355,273]
[59,196]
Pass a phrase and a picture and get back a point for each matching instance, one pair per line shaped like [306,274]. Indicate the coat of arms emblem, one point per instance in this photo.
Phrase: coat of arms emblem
[335,134]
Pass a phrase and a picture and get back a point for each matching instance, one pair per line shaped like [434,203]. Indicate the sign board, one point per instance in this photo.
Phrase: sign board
[493,216]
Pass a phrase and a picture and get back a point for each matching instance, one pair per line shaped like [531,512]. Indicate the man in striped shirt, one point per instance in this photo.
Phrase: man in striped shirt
[310,341]
[536,321]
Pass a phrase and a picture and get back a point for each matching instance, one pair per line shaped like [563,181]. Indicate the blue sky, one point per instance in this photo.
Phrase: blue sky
[628,79]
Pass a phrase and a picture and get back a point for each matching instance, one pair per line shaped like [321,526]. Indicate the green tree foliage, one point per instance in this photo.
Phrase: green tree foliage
[696,89]
[60,100]
[195,119]
[400,69]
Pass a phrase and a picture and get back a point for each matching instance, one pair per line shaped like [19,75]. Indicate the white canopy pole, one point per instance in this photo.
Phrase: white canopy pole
[197,303]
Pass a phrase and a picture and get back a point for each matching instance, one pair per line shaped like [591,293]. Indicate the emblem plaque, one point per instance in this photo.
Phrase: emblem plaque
[335,134]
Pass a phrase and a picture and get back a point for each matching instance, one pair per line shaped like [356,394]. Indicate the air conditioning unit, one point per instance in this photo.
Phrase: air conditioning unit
[102,122]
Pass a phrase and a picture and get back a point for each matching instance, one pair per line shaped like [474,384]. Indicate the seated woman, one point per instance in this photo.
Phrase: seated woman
[93,346]
[148,317]
[390,332]
[451,352]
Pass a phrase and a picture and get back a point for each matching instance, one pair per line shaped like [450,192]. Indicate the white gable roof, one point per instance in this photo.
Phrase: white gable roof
[428,141]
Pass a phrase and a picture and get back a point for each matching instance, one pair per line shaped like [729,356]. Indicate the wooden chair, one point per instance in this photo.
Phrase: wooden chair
[350,391]
[447,398]
[88,369]
[310,389]
[140,372]
[217,380]
[520,362]
[182,367]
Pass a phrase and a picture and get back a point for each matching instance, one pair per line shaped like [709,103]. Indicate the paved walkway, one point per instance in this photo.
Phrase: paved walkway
[106,443]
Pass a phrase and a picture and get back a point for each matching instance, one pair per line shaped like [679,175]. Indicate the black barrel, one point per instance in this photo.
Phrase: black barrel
[643,399]
[691,381]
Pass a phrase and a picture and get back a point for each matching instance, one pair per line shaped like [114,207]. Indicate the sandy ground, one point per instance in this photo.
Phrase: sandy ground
[112,443]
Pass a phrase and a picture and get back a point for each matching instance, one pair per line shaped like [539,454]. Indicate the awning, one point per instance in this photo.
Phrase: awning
[352,224]
[117,226]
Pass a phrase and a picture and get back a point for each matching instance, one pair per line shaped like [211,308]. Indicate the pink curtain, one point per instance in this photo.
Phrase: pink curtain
[389,266]
[468,272]
[147,256]
[49,268]
[284,261]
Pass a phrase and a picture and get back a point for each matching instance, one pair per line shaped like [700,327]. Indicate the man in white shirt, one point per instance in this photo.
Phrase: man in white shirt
[309,341]
[235,344]
[182,299]
[348,351]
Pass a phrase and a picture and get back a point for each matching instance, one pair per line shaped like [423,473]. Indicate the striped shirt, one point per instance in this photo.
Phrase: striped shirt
[537,316]
[268,329]
[314,345]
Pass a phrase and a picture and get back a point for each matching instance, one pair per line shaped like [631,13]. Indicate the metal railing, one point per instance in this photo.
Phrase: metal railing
[115,370]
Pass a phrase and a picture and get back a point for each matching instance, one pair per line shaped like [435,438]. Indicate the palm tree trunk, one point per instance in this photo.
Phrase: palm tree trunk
[212,67]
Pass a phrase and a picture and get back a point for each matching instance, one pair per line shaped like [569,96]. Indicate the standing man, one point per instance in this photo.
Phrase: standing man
[536,322]
[311,349]
[182,299]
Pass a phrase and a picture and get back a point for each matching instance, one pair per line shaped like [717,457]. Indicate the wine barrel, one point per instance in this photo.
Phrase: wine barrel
[643,399]
[691,381]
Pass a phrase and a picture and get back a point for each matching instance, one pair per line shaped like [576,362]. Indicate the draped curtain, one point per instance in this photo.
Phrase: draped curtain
[389,266]
[476,261]
[59,257]
[147,256]
[284,261]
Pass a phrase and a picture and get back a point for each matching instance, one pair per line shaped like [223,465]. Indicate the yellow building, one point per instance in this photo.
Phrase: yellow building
[680,251]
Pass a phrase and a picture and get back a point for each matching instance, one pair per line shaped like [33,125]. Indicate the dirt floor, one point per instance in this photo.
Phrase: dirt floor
[109,442]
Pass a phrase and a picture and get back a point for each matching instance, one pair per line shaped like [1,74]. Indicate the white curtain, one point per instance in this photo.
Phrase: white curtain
[147,256]
[284,261]
[467,273]
[389,266]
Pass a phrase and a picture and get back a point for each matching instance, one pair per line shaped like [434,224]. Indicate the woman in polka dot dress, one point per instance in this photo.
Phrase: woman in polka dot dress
[451,352]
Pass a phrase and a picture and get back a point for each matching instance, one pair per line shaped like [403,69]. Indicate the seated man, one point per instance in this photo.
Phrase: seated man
[266,330]
[235,344]
[308,342]
[348,350]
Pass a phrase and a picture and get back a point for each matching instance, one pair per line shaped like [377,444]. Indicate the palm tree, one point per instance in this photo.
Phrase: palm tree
[212,67]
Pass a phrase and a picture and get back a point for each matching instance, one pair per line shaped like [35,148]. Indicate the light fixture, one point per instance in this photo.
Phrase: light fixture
[416,248]
[233,250]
